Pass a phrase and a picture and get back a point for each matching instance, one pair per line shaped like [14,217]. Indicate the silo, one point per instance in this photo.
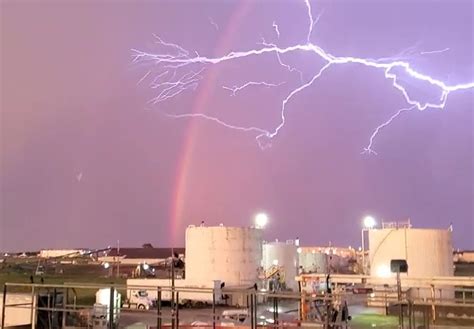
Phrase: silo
[428,252]
[284,256]
[230,254]
[313,260]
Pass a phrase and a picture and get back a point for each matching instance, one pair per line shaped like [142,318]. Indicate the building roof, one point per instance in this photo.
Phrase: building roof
[145,253]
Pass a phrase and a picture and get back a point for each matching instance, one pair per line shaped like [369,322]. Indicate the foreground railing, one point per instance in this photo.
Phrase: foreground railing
[48,306]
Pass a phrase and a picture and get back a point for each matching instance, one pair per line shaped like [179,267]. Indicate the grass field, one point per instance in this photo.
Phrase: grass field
[374,320]
[361,321]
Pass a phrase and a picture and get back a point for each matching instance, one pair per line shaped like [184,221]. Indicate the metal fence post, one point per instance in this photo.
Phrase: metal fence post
[328,311]
[111,308]
[213,308]
[252,325]
[4,305]
[275,308]
[65,299]
[255,309]
[177,309]
[158,309]
[275,312]
[33,308]
[172,308]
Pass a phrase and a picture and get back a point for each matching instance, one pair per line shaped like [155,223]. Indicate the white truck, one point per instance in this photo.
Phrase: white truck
[189,293]
[139,298]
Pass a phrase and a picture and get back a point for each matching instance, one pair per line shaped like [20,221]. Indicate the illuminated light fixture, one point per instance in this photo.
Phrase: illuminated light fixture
[383,271]
[369,222]
[261,220]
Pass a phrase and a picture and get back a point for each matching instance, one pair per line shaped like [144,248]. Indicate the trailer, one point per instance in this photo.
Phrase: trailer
[189,293]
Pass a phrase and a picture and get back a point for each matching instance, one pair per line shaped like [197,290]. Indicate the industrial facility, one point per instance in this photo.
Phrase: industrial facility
[240,258]
[229,266]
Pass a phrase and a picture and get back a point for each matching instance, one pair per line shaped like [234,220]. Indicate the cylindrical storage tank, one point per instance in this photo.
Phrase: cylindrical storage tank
[428,252]
[230,254]
[285,256]
[312,260]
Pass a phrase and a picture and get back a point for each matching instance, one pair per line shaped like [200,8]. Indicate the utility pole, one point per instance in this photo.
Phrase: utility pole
[328,296]
[363,251]
[118,258]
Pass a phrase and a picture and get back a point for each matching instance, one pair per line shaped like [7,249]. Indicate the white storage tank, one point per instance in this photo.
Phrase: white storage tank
[428,252]
[313,260]
[285,256]
[102,304]
[230,254]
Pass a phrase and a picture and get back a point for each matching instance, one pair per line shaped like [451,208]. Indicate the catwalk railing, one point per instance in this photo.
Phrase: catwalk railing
[47,306]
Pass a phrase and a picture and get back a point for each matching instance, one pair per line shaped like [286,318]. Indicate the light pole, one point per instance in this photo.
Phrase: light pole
[369,223]
[118,258]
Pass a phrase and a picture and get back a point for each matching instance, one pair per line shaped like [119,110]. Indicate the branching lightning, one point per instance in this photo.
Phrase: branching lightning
[368,148]
[311,21]
[280,61]
[172,88]
[170,83]
[236,89]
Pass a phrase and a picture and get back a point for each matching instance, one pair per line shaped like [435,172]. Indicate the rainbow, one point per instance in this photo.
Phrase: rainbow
[199,106]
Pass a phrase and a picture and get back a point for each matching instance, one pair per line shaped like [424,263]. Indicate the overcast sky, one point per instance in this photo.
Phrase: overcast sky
[86,160]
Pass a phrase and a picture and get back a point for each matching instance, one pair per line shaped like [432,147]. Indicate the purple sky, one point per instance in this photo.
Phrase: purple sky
[85,160]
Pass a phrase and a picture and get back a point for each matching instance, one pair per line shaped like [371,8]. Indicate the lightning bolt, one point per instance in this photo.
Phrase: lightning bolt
[277,30]
[177,58]
[174,87]
[280,61]
[211,21]
[311,21]
[236,89]
[368,149]
[434,51]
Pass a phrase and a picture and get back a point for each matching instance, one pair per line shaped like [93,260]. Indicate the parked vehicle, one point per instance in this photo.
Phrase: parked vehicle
[139,299]
[189,294]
